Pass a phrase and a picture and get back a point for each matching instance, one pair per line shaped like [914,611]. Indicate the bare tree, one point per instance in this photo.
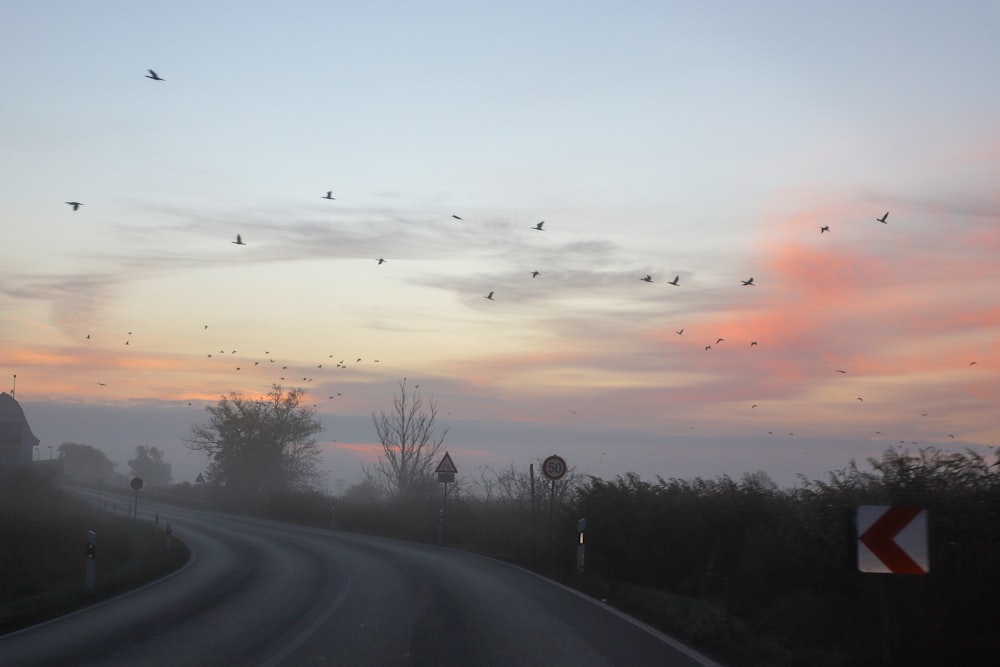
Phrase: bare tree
[410,446]
[261,445]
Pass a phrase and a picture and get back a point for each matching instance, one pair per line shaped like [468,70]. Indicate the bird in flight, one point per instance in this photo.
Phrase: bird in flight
[239,240]
[456,217]
[882,219]
[489,296]
[675,282]
[539,226]
[154,76]
[719,340]
[328,195]
[647,278]
[708,347]
[380,260]
[840,371]
[824,228]
[680,332]
[75,204]
[102,384]
[535,274]
[972,363]
[861,399]
[748,281]
[753,343]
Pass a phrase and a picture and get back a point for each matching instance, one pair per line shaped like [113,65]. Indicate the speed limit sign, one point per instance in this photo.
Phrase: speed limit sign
[554,467]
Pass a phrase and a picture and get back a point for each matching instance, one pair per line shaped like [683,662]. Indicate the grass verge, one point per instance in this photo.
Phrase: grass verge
[44,560]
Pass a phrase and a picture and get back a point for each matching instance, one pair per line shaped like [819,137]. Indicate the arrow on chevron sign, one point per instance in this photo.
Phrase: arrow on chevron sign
[892,539]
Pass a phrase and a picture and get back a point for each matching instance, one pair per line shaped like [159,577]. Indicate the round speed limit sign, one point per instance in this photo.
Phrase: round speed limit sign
[554,467]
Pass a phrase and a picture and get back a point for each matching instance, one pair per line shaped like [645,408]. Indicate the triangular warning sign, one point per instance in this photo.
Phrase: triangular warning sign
[446,465]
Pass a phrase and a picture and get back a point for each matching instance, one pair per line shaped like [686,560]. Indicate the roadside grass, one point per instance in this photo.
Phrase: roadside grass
[44,555]
[708,626]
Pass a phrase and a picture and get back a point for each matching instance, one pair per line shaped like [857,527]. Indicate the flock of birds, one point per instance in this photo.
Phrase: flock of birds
[286,372]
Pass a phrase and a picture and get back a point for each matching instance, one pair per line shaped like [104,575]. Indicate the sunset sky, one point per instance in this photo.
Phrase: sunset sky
[709,141]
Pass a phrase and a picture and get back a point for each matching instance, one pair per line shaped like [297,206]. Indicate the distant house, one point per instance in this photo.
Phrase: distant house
[17,442]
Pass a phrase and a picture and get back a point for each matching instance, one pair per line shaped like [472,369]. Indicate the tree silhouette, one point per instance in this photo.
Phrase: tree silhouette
[410,447]
[84,463]
[258,446]
[150,466]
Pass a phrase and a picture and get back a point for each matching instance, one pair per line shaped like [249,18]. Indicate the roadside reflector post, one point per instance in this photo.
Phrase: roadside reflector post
[581,528]
[91,559]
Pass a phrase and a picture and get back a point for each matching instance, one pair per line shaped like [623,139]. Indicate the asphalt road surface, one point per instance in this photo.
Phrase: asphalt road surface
[267,594]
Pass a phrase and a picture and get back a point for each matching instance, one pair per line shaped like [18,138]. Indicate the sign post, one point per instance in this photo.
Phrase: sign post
[892,539]
[446,472]
[554,467]
[136,484]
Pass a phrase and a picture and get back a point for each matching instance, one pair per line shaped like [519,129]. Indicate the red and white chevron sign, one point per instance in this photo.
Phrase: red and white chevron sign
[892,539]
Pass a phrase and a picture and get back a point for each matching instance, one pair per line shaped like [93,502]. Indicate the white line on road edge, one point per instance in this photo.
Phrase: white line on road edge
[311,630]
[659,634]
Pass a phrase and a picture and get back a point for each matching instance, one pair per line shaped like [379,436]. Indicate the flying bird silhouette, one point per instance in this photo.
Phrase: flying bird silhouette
[882,219]
[456,217]
[824,228]
[380,260]
[748,281]
[680,332]
[489,296]
[75,204]
[708,347]
[675,282]
[328,195]
[154,76]
[647,278]
[238,241]
[535,274]
[719,340]
[753,343]
[539,226]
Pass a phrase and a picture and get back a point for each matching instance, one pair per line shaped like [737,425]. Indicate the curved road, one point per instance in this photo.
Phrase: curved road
[269,594]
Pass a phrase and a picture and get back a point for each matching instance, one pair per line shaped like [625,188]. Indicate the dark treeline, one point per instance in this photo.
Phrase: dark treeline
[785,562]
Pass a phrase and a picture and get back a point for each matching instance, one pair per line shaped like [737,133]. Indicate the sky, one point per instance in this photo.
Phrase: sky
[706,144]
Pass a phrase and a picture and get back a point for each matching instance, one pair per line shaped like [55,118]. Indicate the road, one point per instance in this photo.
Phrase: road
[267,594]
